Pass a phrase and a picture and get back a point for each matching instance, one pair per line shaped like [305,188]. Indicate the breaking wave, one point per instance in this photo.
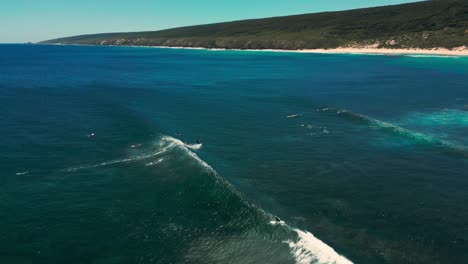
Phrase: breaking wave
[303,245]
[306,248]
[180,143]
[309,249]
[397,130]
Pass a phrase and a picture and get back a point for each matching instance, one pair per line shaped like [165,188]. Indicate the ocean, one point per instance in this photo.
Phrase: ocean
[149,155]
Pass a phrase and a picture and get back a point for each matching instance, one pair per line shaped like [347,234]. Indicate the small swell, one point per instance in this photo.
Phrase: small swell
[396,130]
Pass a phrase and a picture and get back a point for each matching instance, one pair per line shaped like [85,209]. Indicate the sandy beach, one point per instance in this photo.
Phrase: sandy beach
[457,52]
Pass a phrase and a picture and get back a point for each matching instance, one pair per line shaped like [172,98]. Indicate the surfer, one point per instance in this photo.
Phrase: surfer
[278,220]
[177,134]
[198,141]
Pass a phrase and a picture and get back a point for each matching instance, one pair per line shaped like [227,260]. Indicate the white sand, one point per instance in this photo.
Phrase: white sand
[455,52]
[459,51]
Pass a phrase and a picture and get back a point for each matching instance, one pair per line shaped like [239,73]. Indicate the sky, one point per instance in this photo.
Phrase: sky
[36,20]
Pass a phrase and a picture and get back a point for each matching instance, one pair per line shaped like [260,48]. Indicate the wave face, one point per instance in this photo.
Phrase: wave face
[304,247]
[398,131]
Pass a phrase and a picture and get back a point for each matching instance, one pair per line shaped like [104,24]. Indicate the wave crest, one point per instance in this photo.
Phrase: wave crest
[181,143]
[309,249]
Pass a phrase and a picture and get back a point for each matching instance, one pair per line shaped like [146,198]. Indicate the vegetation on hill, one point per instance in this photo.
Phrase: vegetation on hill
[428,24]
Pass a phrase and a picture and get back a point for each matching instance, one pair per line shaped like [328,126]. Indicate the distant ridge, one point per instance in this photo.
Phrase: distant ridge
[422,25]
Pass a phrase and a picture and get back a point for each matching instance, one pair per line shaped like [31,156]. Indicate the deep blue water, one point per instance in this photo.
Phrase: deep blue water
[368,154]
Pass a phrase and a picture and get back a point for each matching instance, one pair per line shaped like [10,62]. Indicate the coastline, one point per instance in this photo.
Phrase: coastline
[459,52]
[443,52]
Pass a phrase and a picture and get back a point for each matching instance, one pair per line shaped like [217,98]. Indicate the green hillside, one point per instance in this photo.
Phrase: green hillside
[427,24]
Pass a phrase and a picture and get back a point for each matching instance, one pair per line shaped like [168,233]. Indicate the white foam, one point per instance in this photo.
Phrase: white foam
[432,56]
[194,146]
[181,143]
[294,115]
[22,173]
[309,249]
[156,162]
[273,222]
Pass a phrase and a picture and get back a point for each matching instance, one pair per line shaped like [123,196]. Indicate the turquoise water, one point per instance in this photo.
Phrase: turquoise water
[364,158]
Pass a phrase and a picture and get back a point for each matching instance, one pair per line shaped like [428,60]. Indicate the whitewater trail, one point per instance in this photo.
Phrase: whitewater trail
[306,248]
[131,159]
